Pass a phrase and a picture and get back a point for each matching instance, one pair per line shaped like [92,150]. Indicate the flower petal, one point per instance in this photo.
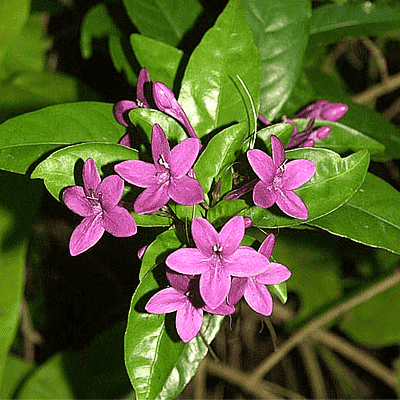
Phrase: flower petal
[119,222]
[267,246]
[223,309]
[262,165]
[291,204]
[120,111]
[258,298]
[138,173]
[75,199]
[179,281]
[188,322]
[151,199]
[160,148]
[278,151]
[297,173]
[110,191]
[236,291]
[166,301]
[183,156]
[231,235]
[143,78]
[187,261]
[204,235]
[185,190]
[246,262]
[276,273]
[264,195]
[86,235]
[90,176]
[214,286]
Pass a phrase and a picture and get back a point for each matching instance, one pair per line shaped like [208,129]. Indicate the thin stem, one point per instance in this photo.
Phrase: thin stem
[31,336]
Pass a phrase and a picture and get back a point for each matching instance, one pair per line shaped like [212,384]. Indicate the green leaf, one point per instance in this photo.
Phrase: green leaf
[151,220]
[225,210]
[27,138]
[283,131]
[334,183]
[13,15]
[333,22]
[158,250]
[342,138]
[370,217]
[159,364]
[59,170]
[280,289]
[19,201]
[209,93]
[166,21]
[15,370]
[280,30]
[219,154]
[160,59]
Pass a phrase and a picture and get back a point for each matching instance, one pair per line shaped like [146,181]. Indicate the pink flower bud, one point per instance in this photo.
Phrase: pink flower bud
[334,111]
[321,133]
[248,222]
[141,251]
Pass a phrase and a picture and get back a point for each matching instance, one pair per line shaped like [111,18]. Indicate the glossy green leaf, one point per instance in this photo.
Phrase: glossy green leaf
[15,370]
[13,15]
[282,130]
[333,22]
[280,290]
[159,364]
[225,210]
[59,170]
[334,183]
[209,93]
[166,21]
[280,30]
[219,154]
[160,59]
[157,252]
[29,137]
[371,216]
[19,201]
[151,220]
[342,138]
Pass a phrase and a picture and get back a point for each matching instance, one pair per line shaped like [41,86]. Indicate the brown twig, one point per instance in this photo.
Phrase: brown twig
[378,56]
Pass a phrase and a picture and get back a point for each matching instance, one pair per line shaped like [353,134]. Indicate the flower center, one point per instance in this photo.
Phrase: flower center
[162,162]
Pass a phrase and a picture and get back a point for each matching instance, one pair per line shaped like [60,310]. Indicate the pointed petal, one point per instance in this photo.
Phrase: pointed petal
[278,151]
[264,196]
[119,222]
[120,111]
[110,191]
[236,291]
[160,148]
[183,156]
[125,140]
[267,246]
[143,78]
[262,165]
[231,235]
[297,173]
[291,204]
[179,281]
[187,261]
[188,322]
[185,191]
[204,235]
[214,286]
[75,199]
[151,199]
[166,301]
[90,176]
[276,273]
[245,262]
[86,235]
[258,298]
[138,173]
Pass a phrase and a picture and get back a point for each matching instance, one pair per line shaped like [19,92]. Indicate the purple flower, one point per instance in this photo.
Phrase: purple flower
[279,178]
[97,201]
[167,177]
[253,288]
[184,297]
[218,256]
[323,109]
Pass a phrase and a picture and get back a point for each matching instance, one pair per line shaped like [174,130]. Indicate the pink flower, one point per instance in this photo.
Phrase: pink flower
[253,288]
[97,201]
[167,177]
[279,178]
[184,297]
[217,257]
[323,109]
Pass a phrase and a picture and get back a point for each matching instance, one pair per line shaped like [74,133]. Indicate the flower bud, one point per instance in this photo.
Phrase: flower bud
[248,222]
[334,111]
[121,109]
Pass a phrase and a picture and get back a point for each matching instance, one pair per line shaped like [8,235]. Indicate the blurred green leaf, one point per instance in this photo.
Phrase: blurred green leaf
[166,21]
[159,364]
[59,170]
[334,183]
[27,138]
[15,370]
[280,30]
[209,93]
[370,217]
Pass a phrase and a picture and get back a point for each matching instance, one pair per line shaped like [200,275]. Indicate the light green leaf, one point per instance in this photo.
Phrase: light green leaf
[15,370]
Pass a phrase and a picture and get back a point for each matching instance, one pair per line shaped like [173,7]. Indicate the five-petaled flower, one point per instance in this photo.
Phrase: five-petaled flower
[97,201]
[278,179]
[184,297]
[253,288]
[167,177]
[218,256]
